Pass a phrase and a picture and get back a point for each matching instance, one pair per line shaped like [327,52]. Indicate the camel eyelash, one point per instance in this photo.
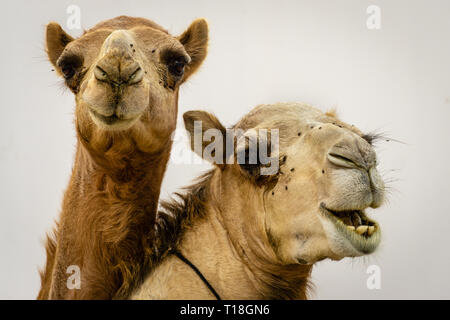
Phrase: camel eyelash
[372,137]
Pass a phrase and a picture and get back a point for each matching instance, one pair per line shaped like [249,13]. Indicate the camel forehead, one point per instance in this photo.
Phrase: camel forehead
[126,23]
[146,30]
[270,114]
[140,27]
[289,118]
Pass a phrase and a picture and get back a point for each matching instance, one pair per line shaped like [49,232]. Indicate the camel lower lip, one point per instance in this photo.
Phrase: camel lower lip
[109,120]
[364,237]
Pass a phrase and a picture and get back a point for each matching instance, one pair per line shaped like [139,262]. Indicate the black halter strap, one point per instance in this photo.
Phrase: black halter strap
[200,275]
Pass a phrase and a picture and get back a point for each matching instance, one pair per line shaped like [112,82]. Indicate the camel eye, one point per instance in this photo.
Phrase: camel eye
[176,67]
[175,62]
[68,71]
[69,65]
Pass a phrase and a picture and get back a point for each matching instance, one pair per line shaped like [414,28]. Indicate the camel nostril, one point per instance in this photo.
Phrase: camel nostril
[377,186]
[136,76]
[100,74]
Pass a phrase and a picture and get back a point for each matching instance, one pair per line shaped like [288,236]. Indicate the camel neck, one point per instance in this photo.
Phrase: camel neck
[116,200]
[208,248]
[132,175]
[233,268]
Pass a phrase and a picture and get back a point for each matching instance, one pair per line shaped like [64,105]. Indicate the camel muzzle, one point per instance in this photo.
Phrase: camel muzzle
[118,65]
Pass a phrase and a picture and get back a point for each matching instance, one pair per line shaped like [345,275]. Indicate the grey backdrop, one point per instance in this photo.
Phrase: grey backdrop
[395,80]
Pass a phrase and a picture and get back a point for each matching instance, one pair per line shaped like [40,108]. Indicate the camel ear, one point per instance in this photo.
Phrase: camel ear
[207,136]
[56,40]
[195,42]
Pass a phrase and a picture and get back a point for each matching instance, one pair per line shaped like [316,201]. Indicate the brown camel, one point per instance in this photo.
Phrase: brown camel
[255,236]
[125,74]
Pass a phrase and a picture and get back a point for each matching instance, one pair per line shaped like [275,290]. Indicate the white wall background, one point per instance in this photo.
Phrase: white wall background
[396,80]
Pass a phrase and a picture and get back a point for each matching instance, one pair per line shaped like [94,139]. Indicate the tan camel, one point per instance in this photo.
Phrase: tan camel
[125,74]
[257,237]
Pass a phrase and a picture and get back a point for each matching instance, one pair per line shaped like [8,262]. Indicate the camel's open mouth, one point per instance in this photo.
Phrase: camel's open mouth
[356,221]
[362,232]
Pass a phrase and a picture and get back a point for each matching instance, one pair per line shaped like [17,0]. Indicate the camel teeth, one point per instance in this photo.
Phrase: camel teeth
[371,230]
[351,228]
[362,229]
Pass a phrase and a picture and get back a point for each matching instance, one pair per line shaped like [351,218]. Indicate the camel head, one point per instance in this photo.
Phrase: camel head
[314,205]
[125,74]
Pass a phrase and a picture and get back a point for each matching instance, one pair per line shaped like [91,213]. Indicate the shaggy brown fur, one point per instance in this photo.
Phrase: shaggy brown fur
[114,231]
[107,223]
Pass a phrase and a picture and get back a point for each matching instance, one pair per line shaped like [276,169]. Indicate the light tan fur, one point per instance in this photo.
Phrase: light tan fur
[256,237]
